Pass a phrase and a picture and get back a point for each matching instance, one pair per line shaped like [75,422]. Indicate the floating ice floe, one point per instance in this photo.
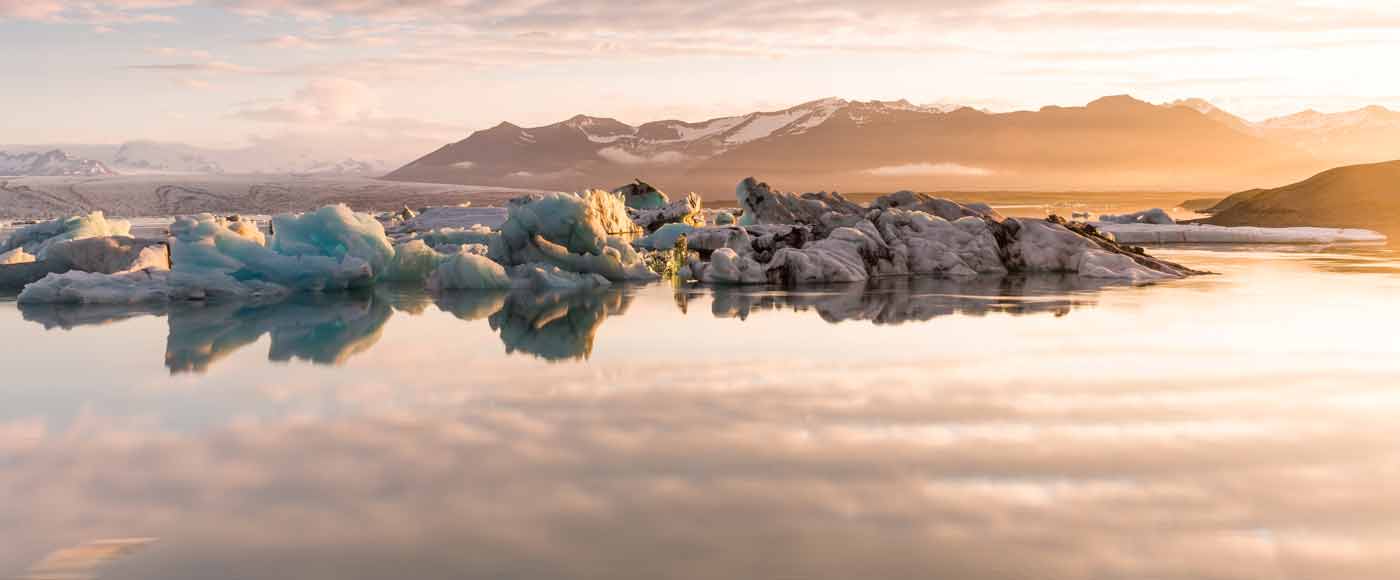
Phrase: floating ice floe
[1154,216]
[1140,233]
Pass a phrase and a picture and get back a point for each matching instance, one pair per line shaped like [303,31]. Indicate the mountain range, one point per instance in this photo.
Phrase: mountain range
[1116,142]
[267,157]
[49,163]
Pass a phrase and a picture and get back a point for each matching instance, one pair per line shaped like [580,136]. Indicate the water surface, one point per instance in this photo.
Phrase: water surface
[1231,426]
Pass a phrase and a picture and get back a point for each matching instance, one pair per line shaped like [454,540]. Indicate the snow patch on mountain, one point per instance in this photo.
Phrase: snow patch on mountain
[1312,120]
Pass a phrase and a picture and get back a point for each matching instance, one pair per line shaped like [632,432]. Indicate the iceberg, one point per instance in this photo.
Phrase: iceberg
[77,287]
[208,255]
[1139,233]
[466,271]
[566,230]
[106,255]
[665,236]
[683,211]
[446,217]
[36,239]
[1154,216]
[333,231]
[821,238]
[642,195]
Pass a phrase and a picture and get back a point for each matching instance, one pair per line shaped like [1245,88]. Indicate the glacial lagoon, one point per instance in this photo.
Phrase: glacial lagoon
[1238,425]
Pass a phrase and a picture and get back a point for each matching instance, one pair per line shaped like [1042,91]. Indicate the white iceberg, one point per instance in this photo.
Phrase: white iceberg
[1154,216]
[466,271]
[36,239]
[1209,234]
[333,231]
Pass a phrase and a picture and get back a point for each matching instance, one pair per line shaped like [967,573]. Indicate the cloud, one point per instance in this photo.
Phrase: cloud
[624,157]
[929,169]
[107,12]
[217,66]
[326,100]
[289,41]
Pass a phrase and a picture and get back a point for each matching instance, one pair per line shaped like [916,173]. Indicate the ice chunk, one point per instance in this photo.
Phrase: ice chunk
[617,262]
[728,267]
[683,211]
[465,271]
[565,230]
[561,218]
[713,238]
[722,218]
[665,237]
[610,211]
[840,257]
[823,211]
[246,228]
[36,239]
[927,244]
[209,254]
[333,231]
[16,256]
[91,288]
[937,206]
[110,255]
[453,217]
[413,261]
[1208,234]
[477,234]
[545,276]
[1154,216]
[1046,246]
[641,195]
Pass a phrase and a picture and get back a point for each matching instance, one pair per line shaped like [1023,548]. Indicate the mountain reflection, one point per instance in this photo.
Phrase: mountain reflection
[329,329]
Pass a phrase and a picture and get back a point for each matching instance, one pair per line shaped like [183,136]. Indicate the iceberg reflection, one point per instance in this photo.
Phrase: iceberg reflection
[553,325]
[899,300]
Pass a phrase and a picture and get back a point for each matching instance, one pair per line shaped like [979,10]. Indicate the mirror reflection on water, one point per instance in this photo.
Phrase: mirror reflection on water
[1047,427]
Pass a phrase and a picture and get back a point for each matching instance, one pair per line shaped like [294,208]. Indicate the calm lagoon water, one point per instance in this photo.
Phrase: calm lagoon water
[1233,426]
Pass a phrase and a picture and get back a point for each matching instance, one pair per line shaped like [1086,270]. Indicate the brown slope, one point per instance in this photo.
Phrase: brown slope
[1359,196]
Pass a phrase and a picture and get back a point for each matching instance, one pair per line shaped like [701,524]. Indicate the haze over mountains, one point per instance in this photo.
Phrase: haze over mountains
[142,157]
[1112,143]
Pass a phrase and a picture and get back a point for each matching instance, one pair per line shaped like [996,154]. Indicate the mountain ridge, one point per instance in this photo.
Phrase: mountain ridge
[1115,141]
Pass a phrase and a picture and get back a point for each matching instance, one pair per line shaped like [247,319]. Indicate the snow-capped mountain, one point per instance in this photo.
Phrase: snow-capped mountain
[49,163]
[345,166]
[1217,114]
[1114,142]
[158,157]
[1366,135]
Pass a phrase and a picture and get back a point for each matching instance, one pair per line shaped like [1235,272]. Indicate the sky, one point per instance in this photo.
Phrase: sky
[224,73]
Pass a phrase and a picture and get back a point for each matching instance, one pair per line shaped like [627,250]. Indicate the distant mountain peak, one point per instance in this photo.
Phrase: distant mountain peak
[1117,102]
